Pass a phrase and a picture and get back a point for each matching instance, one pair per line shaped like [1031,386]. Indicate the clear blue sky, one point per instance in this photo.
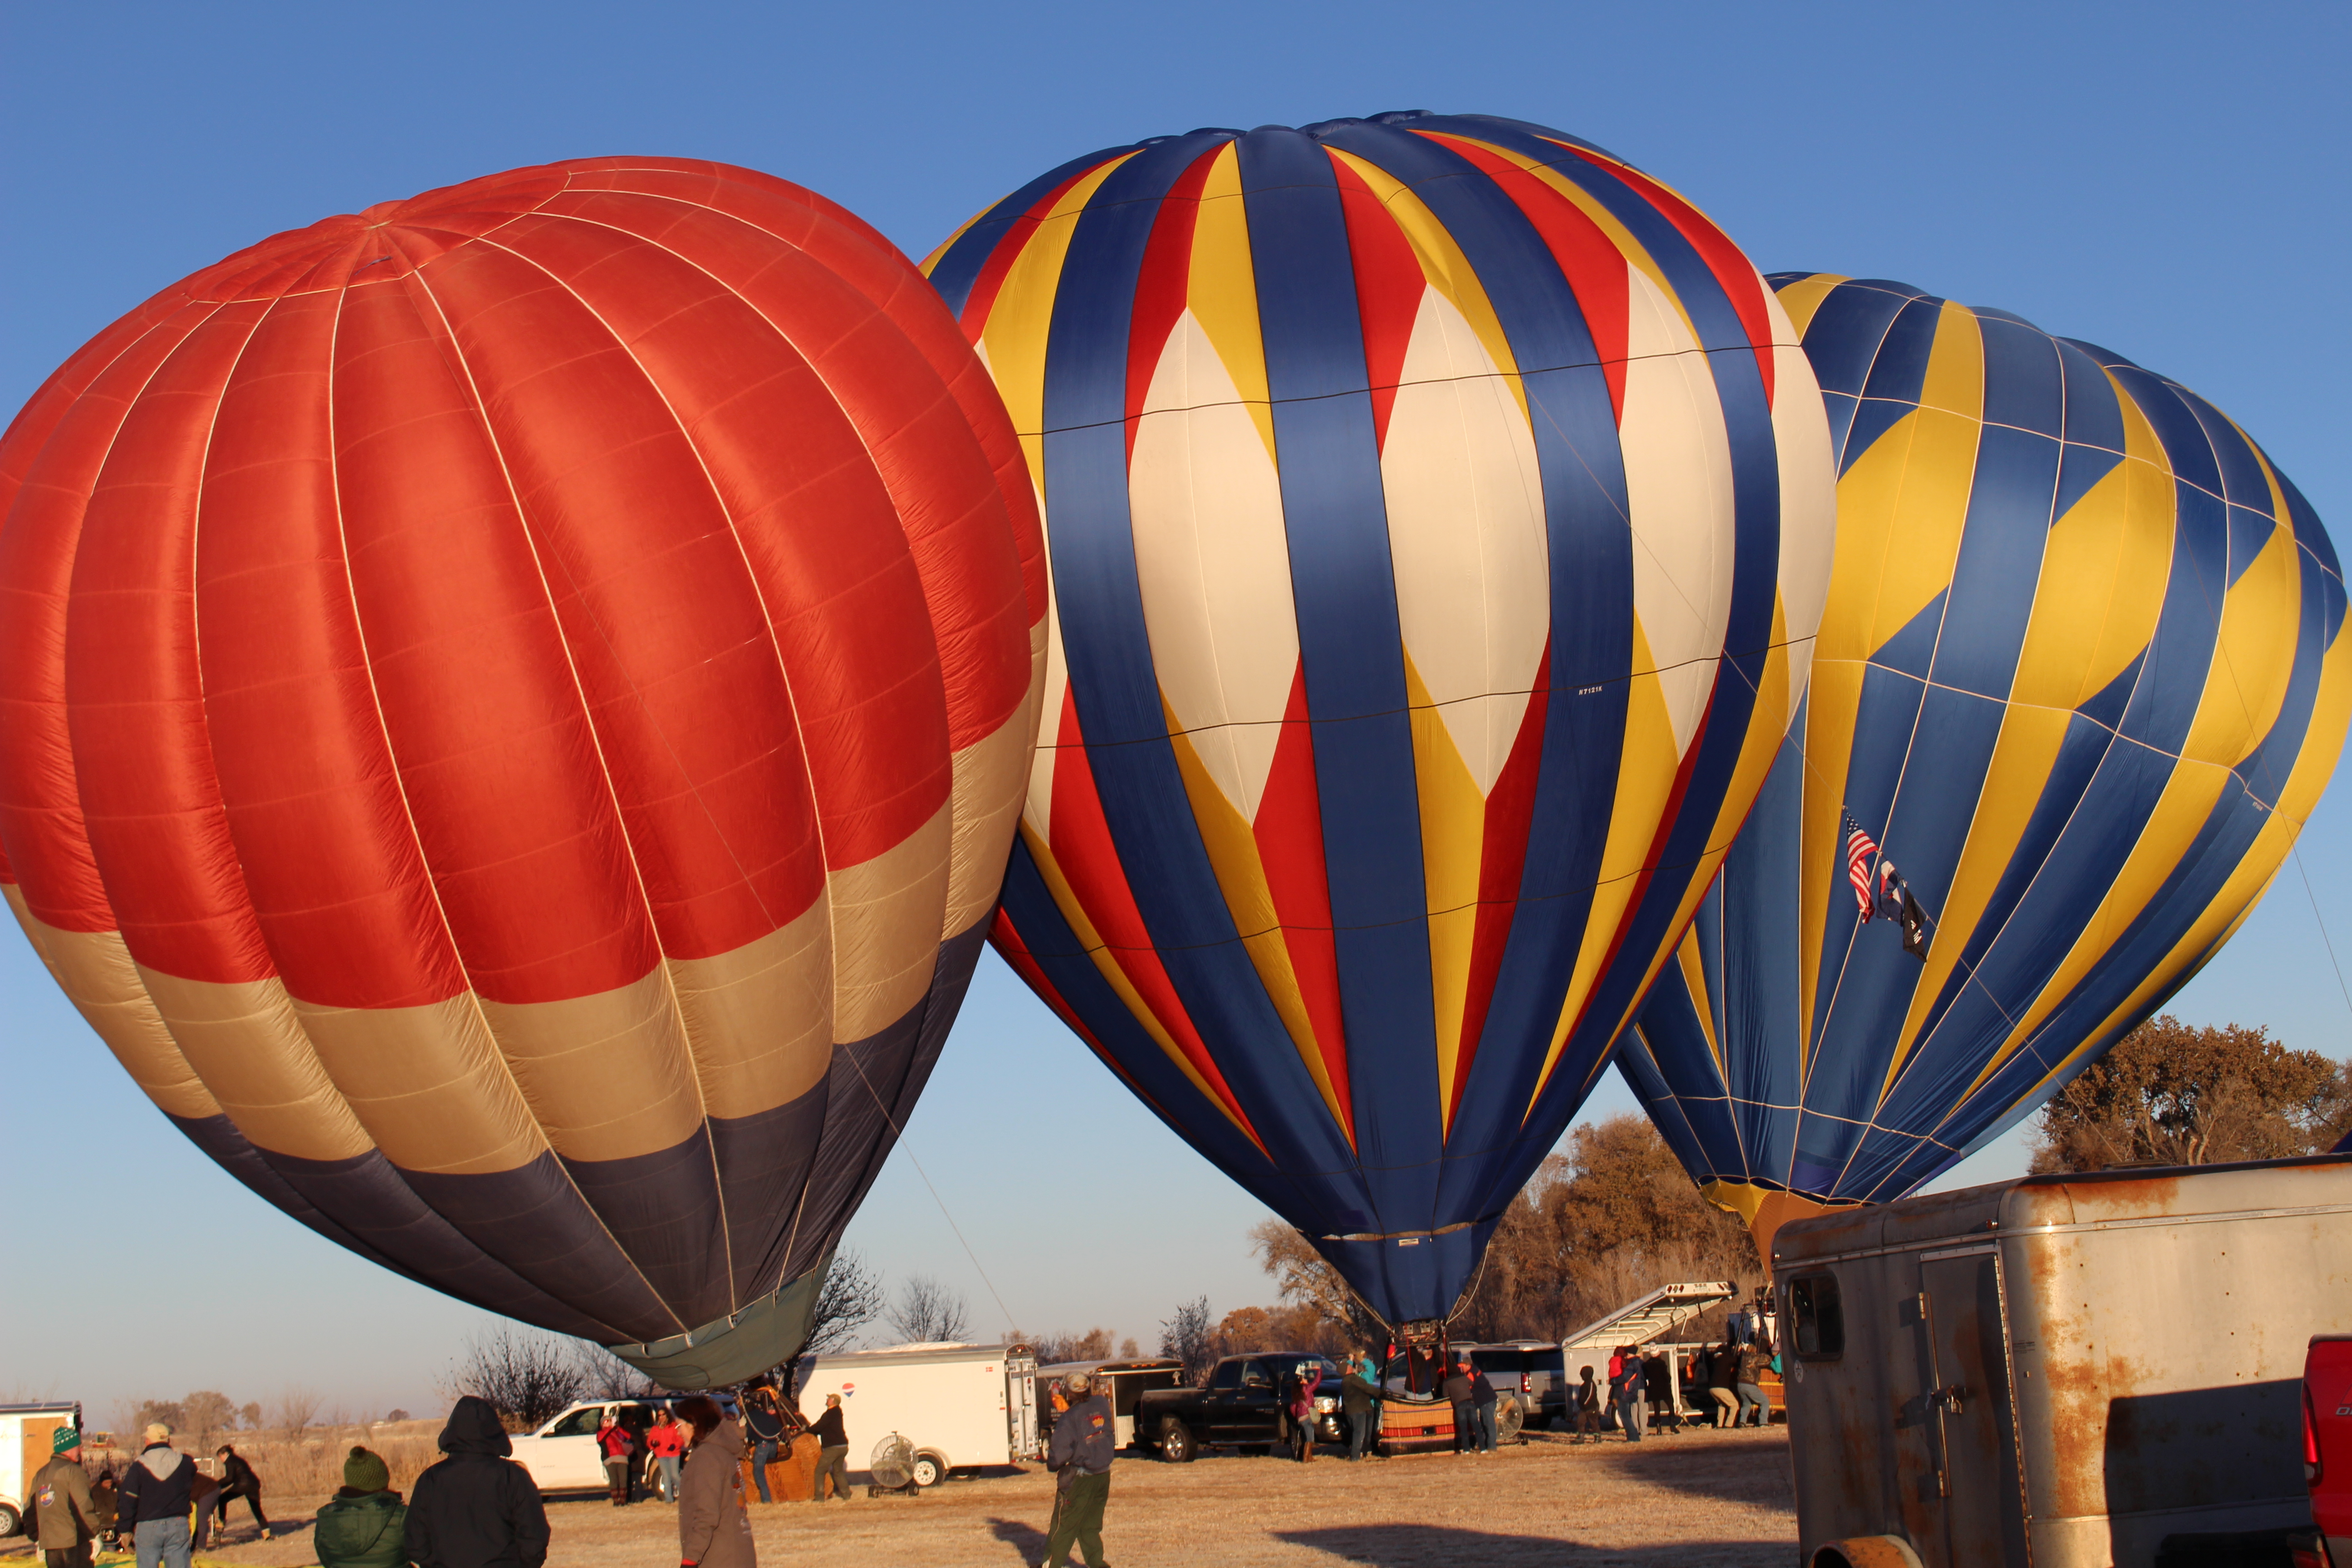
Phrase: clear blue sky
[2165,180]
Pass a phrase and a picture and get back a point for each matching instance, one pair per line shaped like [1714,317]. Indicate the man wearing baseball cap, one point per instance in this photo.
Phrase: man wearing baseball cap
[1085,1438]
[64,1513]
[157,1491]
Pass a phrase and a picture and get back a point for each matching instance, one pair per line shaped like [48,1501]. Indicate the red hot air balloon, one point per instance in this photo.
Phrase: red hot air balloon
[512,709]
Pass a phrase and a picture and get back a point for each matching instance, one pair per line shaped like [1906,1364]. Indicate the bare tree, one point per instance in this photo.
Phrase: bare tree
[526,1376]
[1129,1350]
[930,1313]
[252,1413]
[396,1415]
[604,1375]
[297,1407]
[1185,1336]
[1092,1345]
[851,1296]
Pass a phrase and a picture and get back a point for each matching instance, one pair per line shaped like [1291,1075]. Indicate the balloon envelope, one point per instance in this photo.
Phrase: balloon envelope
[2080,679]
[1438,511]
[512,707]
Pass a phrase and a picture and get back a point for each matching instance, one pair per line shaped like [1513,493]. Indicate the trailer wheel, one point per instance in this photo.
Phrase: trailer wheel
[10,1520]
[930,1469]
[1866,1551]
[1176,1444]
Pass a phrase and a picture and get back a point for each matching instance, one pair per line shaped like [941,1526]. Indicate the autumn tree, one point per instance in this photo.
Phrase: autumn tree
[1612,1219]
[1304,1278]
[2168,1094]
[208,1411]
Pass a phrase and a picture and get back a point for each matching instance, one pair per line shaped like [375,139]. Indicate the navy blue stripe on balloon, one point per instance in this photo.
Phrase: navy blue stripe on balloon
[1112,680]
[1756,494]
[1998,567]
[955,272]
[1898,372]
[1344,591]
[1842,341]
[1581,468]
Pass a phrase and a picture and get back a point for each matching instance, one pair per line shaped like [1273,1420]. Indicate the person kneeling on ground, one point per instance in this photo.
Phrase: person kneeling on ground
[365,1524]
[63,1508]
[833,1452]
[477,1507]
[1084,1441]
[713,1530]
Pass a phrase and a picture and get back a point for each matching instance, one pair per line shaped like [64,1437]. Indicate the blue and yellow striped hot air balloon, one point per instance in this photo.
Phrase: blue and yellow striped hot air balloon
[1439,511]
[2079,677]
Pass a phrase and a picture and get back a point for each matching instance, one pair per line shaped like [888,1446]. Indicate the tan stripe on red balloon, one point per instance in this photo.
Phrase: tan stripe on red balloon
[96,973]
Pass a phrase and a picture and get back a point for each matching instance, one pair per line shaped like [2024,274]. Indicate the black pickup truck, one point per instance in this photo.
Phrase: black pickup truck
[1240,1406]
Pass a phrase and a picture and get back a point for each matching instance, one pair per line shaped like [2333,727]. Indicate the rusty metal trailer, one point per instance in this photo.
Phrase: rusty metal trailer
[2065,1371]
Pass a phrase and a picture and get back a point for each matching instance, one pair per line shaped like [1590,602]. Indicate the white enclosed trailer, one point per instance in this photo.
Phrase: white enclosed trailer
[958,1405]
[25,1432]
[2066,1370]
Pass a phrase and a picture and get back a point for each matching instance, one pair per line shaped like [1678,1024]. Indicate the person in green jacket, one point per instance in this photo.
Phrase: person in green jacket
[365,1525]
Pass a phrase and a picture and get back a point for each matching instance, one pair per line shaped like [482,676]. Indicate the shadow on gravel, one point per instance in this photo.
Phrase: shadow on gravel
[1031,1543]
[1441,1546]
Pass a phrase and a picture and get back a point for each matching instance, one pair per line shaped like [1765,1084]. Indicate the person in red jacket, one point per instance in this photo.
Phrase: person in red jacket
[665,1442]
[613,1439]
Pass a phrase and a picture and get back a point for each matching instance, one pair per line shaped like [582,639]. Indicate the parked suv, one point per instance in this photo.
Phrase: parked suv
[561,1456]
[1531,1382]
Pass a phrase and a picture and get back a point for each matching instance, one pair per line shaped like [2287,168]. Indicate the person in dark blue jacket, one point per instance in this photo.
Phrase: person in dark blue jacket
[154,1500]
[1085,1438]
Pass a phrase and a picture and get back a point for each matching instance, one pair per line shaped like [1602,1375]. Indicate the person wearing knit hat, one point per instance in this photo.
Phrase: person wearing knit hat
[64,1510]
[364,1525]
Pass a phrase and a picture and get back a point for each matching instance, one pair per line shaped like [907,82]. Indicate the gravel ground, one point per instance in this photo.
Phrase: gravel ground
[1710,1500]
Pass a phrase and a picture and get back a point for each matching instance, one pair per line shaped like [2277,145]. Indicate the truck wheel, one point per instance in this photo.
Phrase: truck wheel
[1510,1417]
[10,1520]
[1176,1445]
[930,1469]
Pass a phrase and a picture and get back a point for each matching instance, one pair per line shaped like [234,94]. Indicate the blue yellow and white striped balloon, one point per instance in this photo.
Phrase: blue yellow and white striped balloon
[2081,676]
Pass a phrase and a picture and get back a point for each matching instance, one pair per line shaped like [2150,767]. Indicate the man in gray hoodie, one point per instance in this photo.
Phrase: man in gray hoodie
[154,1500]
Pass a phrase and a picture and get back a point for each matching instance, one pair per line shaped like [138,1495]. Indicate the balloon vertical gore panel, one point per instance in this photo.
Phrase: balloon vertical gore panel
[513,704]
[2080,678]
[1439,511]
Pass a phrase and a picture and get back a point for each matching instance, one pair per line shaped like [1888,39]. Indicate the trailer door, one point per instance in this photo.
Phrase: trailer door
[1972,1425]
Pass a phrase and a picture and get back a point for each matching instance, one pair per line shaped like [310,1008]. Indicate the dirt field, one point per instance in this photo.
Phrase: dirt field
[1707,1500]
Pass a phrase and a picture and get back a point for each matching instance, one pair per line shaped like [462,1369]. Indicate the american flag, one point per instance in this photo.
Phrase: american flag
[1859,849]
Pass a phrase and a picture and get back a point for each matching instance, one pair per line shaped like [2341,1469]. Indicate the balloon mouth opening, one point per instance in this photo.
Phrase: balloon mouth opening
[747,1342]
